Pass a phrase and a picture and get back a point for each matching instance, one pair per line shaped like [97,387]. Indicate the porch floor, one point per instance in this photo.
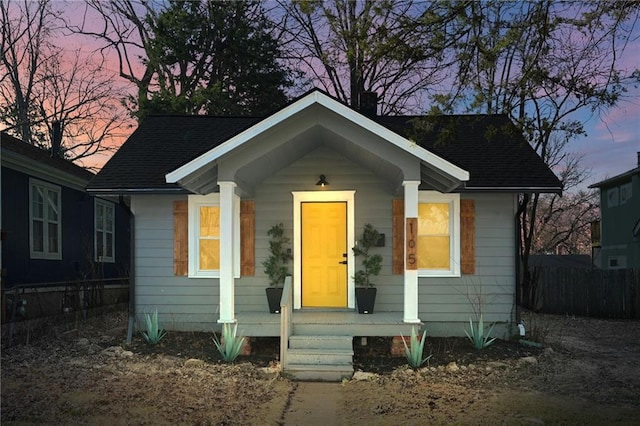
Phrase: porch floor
[326,323]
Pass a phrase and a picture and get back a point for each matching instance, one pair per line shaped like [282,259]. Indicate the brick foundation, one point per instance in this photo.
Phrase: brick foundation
[246,348]
[397,346]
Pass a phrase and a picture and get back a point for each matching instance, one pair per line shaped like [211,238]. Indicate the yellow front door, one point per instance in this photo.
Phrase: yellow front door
[324,247]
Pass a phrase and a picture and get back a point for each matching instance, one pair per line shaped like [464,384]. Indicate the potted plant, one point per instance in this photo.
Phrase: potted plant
[276,265]
[371,265]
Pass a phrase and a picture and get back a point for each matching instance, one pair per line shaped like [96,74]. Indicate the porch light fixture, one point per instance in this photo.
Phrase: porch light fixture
[323,181]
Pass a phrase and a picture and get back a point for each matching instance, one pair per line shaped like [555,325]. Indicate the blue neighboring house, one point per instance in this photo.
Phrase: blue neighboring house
[619,220]
[53,231]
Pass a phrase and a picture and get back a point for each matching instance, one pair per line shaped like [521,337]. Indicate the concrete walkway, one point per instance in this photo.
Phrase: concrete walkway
[314,403]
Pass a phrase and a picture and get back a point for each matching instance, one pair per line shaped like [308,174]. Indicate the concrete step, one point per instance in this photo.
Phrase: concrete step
[320,356]
[320,373]
[321,342]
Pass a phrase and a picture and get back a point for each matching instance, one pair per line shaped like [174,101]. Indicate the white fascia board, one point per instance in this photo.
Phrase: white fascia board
[238,140]
[401,142]
[333,105]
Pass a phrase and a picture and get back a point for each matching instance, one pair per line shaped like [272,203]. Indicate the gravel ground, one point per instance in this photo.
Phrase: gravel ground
[587,373]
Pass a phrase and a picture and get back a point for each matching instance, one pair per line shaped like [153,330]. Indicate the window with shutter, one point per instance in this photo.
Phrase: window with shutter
[180,238]
[468,232]
[247,238]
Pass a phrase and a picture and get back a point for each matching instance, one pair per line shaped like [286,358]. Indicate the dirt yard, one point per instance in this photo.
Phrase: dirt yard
[588,373]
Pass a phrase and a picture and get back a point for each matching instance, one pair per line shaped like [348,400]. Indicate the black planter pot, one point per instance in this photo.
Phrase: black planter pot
[366,299]
[274,294]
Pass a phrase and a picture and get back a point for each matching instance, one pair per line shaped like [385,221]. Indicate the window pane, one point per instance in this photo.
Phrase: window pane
[109,248]
[433,252]
[109,219]
[38,236]
[209,221]
[37,203]
[433,236]
[433,219]
[99,244]
[52,228]
[209,254]
[52,206]
[99,216]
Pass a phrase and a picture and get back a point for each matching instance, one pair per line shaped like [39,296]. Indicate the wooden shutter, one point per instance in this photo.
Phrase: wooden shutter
[247,238]
[398,236]
[467,237]
[180,238]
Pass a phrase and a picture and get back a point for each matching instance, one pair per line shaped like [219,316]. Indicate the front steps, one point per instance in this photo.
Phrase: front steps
[319,358]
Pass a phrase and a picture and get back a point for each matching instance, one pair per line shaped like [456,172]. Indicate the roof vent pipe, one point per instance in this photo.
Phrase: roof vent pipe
[369,104]
[638,158]
[56,138]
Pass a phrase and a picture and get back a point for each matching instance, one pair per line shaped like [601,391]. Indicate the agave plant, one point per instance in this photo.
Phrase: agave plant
[476,335]
[154,333]
[414,352]
[231,344]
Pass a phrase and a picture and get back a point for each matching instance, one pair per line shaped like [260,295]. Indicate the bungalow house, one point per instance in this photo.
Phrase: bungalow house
[55,236]
[443,190]
[619,232]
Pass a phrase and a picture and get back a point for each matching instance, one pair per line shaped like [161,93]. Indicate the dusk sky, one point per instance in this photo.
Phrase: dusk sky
[612,140]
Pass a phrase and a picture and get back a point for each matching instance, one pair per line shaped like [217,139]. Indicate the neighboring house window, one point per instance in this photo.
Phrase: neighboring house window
[204,235]
[104,231]
[45,220]
[612,197]
[438,234]
[617,262]
[625,193]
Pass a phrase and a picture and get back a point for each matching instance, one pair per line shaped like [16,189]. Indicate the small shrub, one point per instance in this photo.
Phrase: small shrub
[476,334]
[414,352]
[539,327]
[154,333]
[231,344]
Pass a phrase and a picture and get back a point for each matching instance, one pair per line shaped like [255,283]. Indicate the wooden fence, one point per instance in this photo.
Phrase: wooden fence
[585,292]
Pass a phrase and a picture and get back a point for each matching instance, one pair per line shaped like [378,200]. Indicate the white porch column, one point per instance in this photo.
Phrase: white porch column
[410,276]
[227,244]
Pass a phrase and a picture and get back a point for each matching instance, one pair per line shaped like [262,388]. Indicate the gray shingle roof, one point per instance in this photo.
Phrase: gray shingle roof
[488,146]
[160,145]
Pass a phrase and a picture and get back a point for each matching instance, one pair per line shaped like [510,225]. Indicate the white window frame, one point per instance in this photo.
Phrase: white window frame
[46,253]
[105,205]
[194,204]
[454,232]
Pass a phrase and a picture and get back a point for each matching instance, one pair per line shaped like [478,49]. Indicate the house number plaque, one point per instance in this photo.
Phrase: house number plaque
[412,243]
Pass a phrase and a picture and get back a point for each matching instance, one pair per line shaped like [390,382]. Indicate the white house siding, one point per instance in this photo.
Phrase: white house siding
[274,204]
[446,304]
[182,303]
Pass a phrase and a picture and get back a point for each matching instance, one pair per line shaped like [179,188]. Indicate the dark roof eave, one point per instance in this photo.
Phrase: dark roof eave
[611,180]
[546,190]
[133,191]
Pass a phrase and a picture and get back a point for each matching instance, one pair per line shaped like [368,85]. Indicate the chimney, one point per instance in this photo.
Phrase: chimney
[369,104]
[638,158]
[56,138]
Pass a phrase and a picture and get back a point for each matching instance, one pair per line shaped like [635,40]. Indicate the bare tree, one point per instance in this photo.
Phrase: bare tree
[41,83]
[395,49]
[541,63]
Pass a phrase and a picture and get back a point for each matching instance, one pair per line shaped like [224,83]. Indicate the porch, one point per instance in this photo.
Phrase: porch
[318,322]
[317,344]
